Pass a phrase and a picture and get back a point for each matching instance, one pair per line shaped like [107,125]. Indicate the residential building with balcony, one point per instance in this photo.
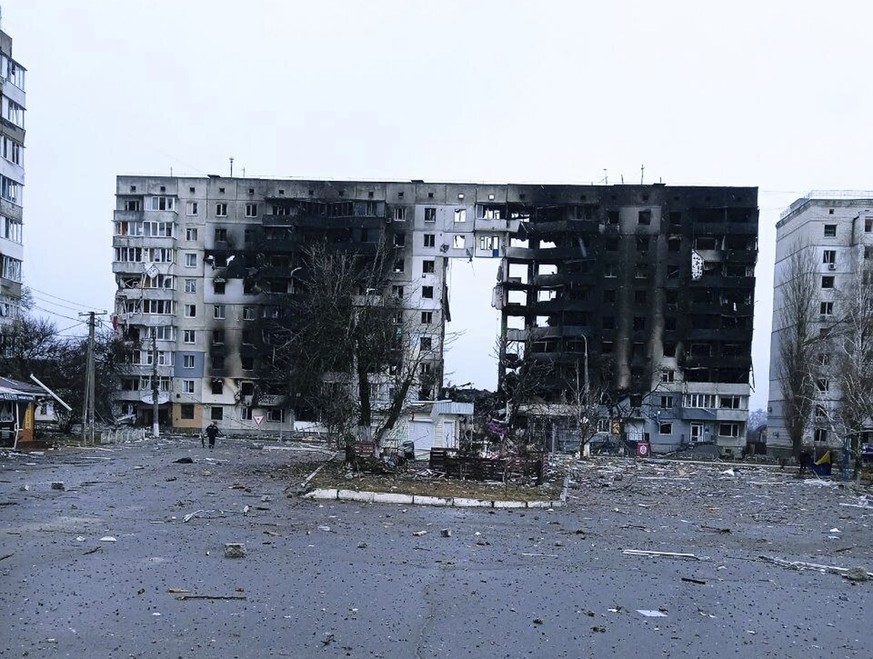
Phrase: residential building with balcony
[835,229]
[651,284]
[12,112]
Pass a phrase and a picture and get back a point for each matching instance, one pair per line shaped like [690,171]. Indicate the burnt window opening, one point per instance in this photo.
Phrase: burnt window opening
[217,387]
[612,244]
[644,217]
[670,323]
[607,347]
[218,337]
[671,296]
[427,292]
[830,230]
[639,323]
[399,239]
[675,217]
[612,217]
[186,411]
[642,243]
[216,413]
[827,281]
[607,322]
[674,244]
[247,363]
[609,295]
[669,349]
[672,272]
[218,287]
[399,265]
[641,296]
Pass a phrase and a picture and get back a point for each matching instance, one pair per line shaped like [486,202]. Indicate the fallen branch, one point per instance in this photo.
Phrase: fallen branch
[697,581]
[853,573]
[210,597]
[5,556]
[190,516]
[662,554]
[91,551]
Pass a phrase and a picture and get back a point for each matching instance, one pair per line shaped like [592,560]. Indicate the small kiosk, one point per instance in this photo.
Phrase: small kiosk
[18,401]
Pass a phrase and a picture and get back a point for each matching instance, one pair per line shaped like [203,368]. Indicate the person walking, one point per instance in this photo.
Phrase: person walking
[212,432]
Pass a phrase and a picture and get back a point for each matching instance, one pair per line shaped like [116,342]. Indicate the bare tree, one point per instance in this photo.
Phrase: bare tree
[798,343]
[850,343]
[345,349]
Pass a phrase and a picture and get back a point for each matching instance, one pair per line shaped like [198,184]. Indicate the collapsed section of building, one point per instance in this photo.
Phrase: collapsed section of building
[637,296]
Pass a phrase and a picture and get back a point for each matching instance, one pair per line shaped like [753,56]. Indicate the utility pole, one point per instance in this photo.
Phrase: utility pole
[88,414]
[156,430]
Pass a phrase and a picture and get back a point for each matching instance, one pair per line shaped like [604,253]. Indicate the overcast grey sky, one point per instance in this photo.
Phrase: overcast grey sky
[774,95]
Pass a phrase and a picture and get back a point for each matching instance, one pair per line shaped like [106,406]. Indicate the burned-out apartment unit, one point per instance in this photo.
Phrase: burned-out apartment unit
[12,110]
[648,287]
[645,293]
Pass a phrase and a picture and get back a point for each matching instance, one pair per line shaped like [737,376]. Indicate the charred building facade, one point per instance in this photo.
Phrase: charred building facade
[647,289]
[645,293]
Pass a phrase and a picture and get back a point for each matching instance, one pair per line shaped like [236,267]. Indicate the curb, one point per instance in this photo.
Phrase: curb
[422,500]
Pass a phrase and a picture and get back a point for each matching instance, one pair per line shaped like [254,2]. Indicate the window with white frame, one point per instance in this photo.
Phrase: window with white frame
[730,402]
[218,311]
[251,210]
[189,336]
[399,214]
[190,285]
[826,308]
[190,260]
[699,401]
[489,242]
[820,435]
[221,209]
[668,375]
[430,214]
[162,203]
[188,362]
[190,311]
[666,402]
[191,233]
[192,208]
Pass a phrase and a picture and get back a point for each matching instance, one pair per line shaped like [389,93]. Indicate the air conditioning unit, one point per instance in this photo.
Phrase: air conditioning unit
[832,266]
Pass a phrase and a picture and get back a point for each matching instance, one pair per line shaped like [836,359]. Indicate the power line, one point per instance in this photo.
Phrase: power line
[56,297]
[54,313]
[56,304]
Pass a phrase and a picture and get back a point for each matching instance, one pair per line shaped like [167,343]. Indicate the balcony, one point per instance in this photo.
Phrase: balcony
[143,241]
[495,226]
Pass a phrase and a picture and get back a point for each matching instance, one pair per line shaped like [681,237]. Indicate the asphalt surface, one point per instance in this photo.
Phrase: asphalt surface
[343,579]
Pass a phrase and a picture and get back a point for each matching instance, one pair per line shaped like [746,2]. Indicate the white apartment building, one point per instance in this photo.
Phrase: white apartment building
[837,227]
[12,111]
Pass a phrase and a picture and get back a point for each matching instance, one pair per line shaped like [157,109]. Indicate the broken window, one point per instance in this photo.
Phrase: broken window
[459,241]
[669,349]
[612,217]
[399,239]
[670,323]
[609,270]
[430,214]
[426,343]
[729,430]
[460,215]
[247,363]
[730,402]
[612,244]
[827,281]
[608,322]
[491,213]
[191,208]
[673,244]
[830,230]
[429,240]
[607,347]
[644,217]
[665,428]
[675,217]
[248,313]
[218,337]
[428,267]
[639,323]
[427,292]
[820,435]
[217,387]
[218,287]
[868,224]
[668,375]
[397,291]
[829,256]
[399,265]
[640,296]
[216,413]
[489,243]
[609,295]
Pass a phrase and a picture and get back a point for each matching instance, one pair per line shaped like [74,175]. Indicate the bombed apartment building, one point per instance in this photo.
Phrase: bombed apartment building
[641,295]
[643,291]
